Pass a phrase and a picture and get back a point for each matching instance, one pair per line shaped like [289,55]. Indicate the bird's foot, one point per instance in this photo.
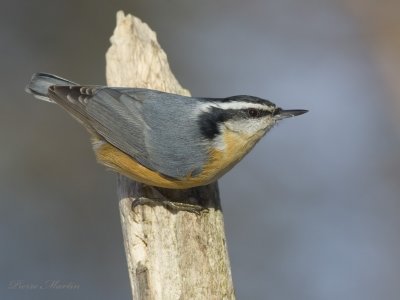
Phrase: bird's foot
[157,198]
[177,206]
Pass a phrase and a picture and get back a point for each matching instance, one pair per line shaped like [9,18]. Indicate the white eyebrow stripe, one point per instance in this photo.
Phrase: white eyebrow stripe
[235,105]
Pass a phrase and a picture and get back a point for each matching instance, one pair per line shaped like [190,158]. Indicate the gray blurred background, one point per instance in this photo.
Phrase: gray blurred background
[312,213]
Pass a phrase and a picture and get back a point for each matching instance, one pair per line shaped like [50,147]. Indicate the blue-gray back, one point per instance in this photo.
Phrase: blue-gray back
[157,129]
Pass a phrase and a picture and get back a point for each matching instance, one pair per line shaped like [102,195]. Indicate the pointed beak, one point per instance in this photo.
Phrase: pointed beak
[280,113]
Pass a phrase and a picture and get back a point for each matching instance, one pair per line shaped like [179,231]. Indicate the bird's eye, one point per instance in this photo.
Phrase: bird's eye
[253,113]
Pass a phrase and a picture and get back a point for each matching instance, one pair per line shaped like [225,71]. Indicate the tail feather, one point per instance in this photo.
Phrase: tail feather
[40,83]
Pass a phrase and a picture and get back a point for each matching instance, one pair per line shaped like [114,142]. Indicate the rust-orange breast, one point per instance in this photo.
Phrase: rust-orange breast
[220,161]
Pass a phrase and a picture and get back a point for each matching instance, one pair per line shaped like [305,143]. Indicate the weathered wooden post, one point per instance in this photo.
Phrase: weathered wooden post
[170,255]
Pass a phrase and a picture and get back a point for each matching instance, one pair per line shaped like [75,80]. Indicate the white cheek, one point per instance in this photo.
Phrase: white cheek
[231,126]
[268,123]
[250,127]
[219,142]
[253,127]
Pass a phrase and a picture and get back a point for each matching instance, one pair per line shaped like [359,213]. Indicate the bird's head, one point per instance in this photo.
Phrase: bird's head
[247,116]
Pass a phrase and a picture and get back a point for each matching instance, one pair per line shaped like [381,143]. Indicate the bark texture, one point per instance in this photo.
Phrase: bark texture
[170,255]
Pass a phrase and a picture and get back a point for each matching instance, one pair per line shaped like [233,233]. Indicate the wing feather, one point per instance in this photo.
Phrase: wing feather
[133,121]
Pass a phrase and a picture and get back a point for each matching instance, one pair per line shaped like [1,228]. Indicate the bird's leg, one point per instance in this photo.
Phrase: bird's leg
[155,197]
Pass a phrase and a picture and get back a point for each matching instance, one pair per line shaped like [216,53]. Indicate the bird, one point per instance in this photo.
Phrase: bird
[161,139]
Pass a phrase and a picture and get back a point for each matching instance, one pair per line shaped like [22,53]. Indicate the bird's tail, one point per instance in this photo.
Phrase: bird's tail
[41,82]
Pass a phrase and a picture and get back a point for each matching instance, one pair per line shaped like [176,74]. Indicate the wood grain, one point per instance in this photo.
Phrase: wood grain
[170,255]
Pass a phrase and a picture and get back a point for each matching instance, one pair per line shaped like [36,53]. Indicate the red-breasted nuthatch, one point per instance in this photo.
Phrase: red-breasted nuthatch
[162,139]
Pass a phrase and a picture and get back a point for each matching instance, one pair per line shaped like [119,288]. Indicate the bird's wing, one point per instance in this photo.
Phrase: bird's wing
[142,123]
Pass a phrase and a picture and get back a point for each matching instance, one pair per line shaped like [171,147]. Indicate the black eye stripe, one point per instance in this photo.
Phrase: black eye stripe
[256,112]
[277,111]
